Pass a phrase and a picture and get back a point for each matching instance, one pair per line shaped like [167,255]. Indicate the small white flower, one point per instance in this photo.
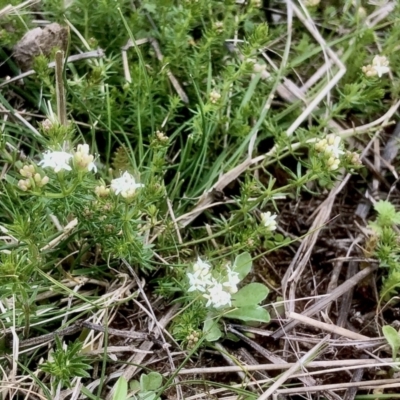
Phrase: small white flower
[217,296]
[125,185]
[198,281]
[381,65]
[58,160]
[268,220]
[201,276]
[332,147]
[201,265]
[232,281]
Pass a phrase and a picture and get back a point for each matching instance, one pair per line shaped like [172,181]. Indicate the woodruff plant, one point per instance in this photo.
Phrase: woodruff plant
[217,290]
[64,187]
[384,243]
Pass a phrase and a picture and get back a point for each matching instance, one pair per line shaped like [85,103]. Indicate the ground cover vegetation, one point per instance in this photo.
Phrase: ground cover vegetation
[198,199]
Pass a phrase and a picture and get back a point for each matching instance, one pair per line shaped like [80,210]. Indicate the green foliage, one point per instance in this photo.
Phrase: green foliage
[181,107]
[121,389]
[211,330]
[387,248]
[146,389]
[393,338]
[243,264]
[249,295]
[66,363]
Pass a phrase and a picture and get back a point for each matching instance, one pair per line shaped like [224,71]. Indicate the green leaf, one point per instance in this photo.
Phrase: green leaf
[250,295]
[151,8]
[393,338]
[384,207]
[120,389]
[249,313]
[134,386]
[386,213]
[148,395]
[150,382]
[243,264]
[211,330]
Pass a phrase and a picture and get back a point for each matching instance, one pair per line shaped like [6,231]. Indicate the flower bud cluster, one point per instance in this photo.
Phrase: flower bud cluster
[83,160]
[330,148]
[219,26]
[192,339]
[161,136]
[102,191]
[217,294]
[353,158]
[214,96]
[33,178]
[47,125]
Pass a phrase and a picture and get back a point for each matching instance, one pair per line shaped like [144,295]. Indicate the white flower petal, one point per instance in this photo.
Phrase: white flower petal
[125,185]
[58,160]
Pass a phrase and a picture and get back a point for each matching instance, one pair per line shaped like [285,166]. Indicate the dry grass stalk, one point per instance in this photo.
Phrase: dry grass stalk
[326,327]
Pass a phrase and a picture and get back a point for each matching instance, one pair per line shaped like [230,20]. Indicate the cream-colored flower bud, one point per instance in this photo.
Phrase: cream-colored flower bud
[333,163]
[214,96]
[83,160]
[161,136]
[258,68]
[45,180]
[102,191]
[27,171]
[320,146]
[219,26]
[22,185]
[37,178]
[369,70]
[47,124]
[361,13]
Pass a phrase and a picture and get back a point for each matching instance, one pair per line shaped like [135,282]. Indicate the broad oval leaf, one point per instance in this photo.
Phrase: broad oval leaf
[154,381]
[249,313]
[393,338]
[211,330]
[250,295]
[243,264]
[120,389]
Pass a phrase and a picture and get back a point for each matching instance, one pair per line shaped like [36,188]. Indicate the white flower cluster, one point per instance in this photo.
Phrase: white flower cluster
[217,294]
[380,66]
[330,147]
[60,160]
[126,185]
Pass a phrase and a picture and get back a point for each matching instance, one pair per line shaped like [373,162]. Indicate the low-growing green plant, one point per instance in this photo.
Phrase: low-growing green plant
[66,363]
[145,389]
[393,338]
[385,245]
[177,155]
